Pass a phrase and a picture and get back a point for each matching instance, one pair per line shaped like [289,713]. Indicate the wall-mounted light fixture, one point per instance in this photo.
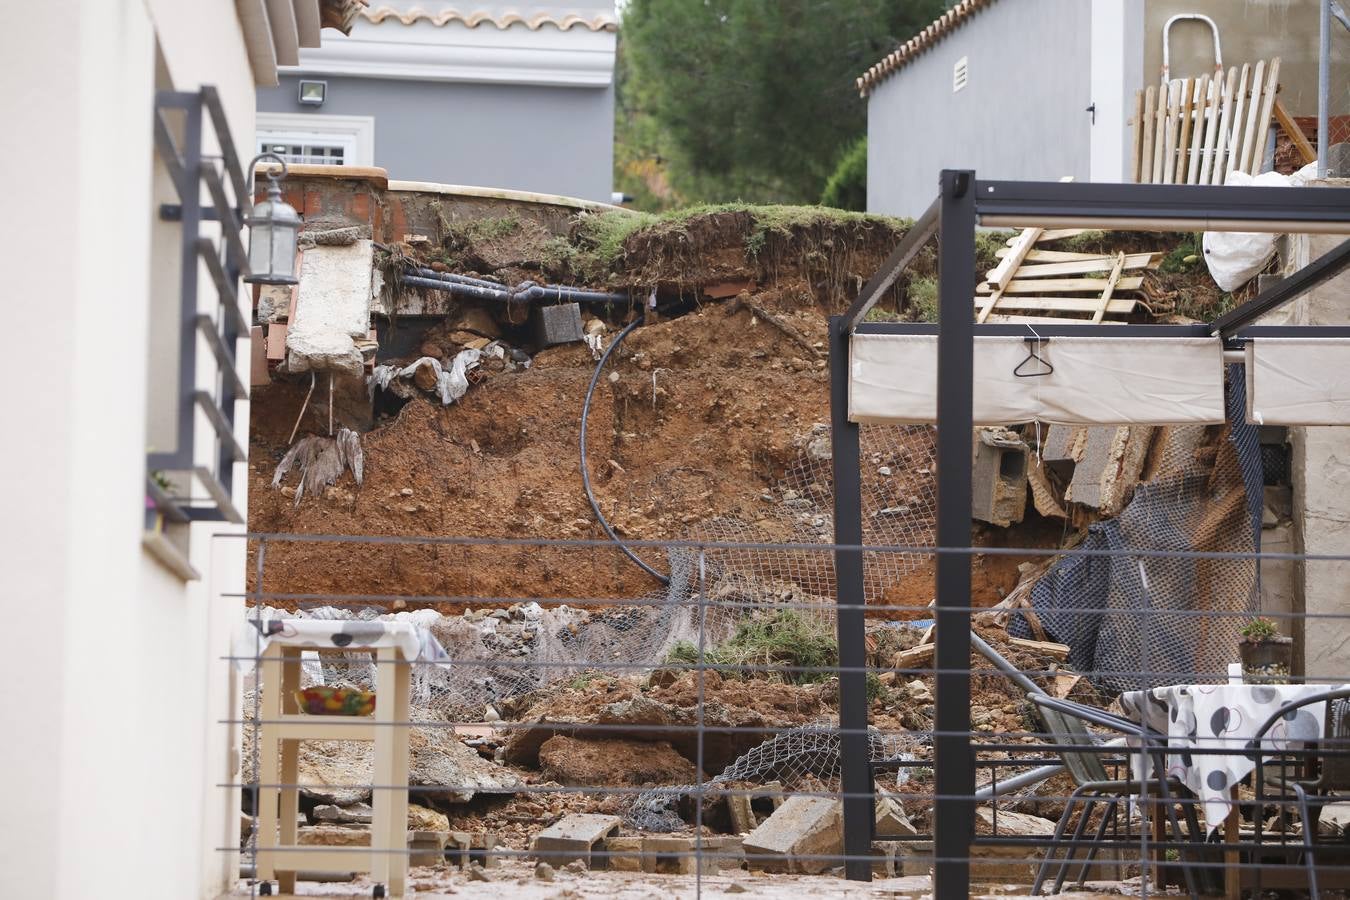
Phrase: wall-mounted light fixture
[313,93]
[273,227]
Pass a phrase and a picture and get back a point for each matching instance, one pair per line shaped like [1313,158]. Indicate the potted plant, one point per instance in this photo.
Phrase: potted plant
[1267,655]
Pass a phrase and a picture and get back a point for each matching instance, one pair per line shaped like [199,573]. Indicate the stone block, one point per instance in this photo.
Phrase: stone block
[999,477]
[801,827]
[334,836]
[728,851]
[359,813]
[574,837]
[331,310]
[558,324]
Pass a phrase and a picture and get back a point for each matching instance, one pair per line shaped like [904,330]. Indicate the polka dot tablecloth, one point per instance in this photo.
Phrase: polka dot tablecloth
[1222,717]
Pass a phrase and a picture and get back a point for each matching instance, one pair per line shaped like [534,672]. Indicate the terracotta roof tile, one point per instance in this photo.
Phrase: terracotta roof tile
[897,59]
[601,22]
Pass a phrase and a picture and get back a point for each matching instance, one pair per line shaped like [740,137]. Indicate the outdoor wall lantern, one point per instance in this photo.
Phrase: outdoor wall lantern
[273,227]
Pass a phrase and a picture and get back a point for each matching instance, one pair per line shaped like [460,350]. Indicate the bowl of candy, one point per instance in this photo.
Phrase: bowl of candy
[336,701]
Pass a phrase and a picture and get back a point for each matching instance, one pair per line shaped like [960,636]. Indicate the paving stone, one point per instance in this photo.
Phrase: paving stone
[573,838]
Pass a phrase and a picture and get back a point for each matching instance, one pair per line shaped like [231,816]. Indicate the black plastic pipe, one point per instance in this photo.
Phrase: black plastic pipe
[585,470]
[525,292]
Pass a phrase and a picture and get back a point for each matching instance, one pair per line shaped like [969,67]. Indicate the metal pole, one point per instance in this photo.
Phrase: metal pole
[954,769]
[1323,86]
[850,622]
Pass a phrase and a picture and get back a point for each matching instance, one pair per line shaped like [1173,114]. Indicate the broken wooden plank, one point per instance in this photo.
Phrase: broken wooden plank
[1089,305]
[1112,281]
[1045,648]
[1306,152]
[1059,234]
[1047,320]
[913,658]
[1003,273]
[1055,285]
[1083,262]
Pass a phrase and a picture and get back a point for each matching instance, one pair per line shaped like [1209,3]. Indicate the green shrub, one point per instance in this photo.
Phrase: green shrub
[846,187]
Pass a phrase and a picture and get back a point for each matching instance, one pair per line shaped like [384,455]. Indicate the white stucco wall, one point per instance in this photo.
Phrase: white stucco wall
[1022,114]
[112,753]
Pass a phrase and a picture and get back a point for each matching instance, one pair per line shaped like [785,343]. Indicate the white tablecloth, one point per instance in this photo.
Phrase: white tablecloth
[1222,717]
[415,642]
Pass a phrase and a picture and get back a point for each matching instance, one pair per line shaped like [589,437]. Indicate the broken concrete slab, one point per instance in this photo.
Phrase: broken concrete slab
[332,310]
[798,832]
[1109,464]
[356,813]
[891,820]
[334,836]
[743,818]
[574,838]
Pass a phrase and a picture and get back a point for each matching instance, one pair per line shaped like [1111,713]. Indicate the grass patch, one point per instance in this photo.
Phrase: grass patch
[601,236]
[782,639]
[489,229]
[1185,256]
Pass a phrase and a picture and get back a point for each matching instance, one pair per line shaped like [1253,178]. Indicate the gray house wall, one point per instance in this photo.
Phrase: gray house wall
[554,140]
[1021,115]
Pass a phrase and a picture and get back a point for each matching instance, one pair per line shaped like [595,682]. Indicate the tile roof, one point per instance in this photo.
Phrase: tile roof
[599,22]
[948,22]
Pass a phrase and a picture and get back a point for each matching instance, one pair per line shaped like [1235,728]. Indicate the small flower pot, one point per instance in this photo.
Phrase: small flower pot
[1267,660]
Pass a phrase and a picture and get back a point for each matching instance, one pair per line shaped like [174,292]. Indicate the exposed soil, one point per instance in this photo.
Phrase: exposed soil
[697,416]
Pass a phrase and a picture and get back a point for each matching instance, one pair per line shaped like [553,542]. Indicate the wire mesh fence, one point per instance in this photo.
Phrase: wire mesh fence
[694,732]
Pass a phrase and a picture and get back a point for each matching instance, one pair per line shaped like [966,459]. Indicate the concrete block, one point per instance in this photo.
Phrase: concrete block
[999,477]
[802,826]
[676,856]
[727,850]
[465,847]
[624,854]
[574,837]
[913,857]
[558,324]
[743,818]
[257,346]
[1108,470]
[427,848]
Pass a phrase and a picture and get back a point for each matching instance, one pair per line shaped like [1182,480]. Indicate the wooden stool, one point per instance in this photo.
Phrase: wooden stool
[284,726]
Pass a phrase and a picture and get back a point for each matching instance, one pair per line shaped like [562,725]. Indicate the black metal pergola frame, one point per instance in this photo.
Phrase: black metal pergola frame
[963,203]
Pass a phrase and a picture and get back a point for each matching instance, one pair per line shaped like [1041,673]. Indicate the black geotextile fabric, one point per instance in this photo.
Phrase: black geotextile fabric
[1134,622]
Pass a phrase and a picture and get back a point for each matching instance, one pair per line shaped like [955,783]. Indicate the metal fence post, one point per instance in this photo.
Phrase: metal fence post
[953,761]
[850,622]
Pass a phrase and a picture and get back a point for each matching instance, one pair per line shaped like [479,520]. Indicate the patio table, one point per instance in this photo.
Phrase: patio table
[1223,717]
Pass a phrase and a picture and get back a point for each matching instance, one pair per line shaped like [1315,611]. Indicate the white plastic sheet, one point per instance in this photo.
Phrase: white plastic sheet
[1298,381]
[1236,257]
[1095,380]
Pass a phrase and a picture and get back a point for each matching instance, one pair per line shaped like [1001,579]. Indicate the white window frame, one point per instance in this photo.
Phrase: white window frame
[355,133]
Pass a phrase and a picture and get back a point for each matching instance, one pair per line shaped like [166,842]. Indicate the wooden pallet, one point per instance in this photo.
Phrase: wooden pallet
[1056,285]
[1197,130]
